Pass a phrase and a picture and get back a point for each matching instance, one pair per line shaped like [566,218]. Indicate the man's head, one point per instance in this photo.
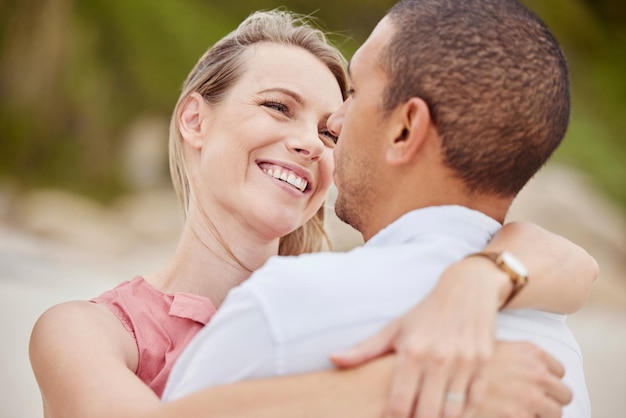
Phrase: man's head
[493,79]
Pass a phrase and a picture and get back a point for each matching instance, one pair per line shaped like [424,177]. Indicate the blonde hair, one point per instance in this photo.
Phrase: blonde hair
[221,67]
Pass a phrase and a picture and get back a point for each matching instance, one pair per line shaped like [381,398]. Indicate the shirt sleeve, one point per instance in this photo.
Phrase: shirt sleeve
[236,345]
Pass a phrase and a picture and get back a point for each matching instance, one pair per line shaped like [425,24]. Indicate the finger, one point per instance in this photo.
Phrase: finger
[375,346]
[457,389]
[431,398]
[554,365]
[405,387]
[476,393]
[546,407]
[558,391]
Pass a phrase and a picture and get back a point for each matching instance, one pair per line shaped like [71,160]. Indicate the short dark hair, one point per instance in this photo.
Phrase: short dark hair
[494,78]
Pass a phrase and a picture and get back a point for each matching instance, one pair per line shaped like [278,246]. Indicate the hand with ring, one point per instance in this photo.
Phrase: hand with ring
[455,397]
[441,345]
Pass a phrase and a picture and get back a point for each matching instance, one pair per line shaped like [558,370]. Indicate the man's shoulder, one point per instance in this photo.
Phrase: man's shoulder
[306,262]
[544,328]
[324,290]
[366,267]
[285,274]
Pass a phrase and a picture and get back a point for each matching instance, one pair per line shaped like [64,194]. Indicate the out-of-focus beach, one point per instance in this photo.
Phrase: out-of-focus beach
[55,247]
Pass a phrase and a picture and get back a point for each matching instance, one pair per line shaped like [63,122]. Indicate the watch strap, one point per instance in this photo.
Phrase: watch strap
[518,281]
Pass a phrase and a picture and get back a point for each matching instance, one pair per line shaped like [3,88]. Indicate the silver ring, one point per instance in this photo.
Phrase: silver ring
[455,397]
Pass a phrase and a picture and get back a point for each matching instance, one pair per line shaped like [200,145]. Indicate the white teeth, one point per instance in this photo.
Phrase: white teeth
[301,184]
[288,177]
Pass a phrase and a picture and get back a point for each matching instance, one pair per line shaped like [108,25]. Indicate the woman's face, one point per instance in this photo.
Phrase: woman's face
[266,157]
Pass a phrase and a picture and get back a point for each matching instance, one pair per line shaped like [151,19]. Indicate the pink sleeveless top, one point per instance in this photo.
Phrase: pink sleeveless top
[162,325]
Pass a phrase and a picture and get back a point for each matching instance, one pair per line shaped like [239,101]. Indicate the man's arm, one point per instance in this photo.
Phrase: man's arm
[357,392]
[239,344]
[522,378]
[483,289]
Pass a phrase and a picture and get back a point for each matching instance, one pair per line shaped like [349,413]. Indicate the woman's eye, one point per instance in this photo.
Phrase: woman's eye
[280,107]
[327,134]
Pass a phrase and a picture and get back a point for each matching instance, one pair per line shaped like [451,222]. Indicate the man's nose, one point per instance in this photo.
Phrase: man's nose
[335,121]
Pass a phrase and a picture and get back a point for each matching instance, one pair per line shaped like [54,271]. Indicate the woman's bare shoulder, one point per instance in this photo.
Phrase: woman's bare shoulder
[83,358]
[80,328]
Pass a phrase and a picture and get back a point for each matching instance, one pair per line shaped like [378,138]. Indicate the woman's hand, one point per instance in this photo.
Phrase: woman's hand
[441,344]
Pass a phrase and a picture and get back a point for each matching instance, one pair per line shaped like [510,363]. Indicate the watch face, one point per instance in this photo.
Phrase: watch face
[513,263]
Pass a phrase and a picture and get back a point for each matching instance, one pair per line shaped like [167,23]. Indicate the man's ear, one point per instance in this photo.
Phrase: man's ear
[193,110]
[413,121]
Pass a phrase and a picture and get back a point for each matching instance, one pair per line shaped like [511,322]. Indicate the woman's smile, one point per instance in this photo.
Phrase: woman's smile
[292,176]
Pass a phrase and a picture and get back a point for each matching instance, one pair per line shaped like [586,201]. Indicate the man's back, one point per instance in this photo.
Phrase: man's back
[295,311]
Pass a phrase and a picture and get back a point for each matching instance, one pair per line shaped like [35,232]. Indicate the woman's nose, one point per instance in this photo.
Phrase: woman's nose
[308,145]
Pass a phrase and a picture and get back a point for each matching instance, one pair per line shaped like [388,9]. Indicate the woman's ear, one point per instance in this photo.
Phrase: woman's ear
[190,119]
[412,130]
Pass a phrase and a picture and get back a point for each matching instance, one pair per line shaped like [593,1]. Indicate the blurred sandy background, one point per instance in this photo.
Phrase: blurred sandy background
[86,88]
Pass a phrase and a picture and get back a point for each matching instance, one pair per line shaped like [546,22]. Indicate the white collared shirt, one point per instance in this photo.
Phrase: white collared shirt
[295,311]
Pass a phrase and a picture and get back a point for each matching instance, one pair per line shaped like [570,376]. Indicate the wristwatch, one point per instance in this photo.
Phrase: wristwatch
[512,266]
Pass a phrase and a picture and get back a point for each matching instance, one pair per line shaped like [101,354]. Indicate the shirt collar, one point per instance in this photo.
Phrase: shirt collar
[194,307]
[472,226]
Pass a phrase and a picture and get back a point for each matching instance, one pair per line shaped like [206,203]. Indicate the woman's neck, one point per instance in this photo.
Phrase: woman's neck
[208,264]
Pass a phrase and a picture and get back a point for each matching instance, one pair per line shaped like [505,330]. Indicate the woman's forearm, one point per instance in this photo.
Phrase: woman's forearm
[560,272]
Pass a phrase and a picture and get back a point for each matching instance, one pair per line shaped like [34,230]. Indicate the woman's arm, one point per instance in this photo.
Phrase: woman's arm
[561,273]
[81,356]
[445,340]
[83,360]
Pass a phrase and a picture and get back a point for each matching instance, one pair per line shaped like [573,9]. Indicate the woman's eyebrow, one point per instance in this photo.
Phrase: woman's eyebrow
[298,98]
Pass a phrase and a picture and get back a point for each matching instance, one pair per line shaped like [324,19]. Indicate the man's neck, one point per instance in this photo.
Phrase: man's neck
[449,193]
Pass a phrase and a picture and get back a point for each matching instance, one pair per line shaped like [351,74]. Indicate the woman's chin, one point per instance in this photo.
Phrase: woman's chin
[283,227]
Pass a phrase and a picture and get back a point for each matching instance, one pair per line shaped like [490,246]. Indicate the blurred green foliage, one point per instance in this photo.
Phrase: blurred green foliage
[74,74]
